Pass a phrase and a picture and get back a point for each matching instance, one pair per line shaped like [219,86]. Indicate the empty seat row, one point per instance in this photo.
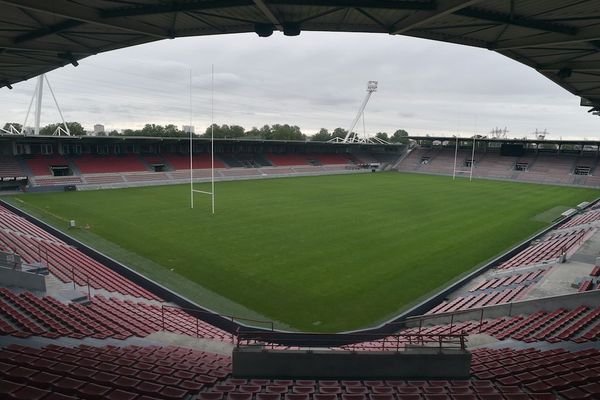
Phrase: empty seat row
[27,315]
[510,280]
[549,371]
[108,372]
[581,219]
[480,300]
[12,222]
[548,249]
[69,264]
[579,325]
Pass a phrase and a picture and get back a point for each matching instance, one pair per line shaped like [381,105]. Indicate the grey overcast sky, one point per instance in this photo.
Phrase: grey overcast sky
[314,80]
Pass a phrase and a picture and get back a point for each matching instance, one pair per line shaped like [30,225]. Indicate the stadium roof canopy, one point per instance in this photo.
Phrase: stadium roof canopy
[559,38]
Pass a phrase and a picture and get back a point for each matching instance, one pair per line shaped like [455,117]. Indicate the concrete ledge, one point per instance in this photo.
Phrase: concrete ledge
[22,279]
[421,363]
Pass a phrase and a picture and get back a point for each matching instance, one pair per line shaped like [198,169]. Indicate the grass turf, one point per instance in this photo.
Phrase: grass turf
[324,253]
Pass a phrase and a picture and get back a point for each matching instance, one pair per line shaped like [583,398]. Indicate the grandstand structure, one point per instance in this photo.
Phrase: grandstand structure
[562,162]
[529,319]
[57,162]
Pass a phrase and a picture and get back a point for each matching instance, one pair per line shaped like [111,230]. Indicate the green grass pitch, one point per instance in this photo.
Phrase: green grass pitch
[326,253]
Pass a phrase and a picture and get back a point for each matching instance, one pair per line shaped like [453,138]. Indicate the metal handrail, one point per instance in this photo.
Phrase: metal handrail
[194,312]
[365,342]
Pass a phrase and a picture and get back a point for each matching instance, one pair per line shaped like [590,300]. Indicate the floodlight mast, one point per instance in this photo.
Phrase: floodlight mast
[371,88]
[37,96]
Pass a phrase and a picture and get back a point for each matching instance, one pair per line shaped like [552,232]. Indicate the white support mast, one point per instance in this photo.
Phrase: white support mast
[37,96]
[59,130]
[38,104]
[371,88]
[352,137]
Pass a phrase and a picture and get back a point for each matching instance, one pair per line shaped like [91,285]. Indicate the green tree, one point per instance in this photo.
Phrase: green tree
[266,132]
[400,136]
[15,125]
[236,131]
[131,132]
[286,132]
[215,130]
[225,131]
[322,136]
[172,131]
[339,132]
[153,130]
[382,136]
[253,133]
[74,127]
[114,132]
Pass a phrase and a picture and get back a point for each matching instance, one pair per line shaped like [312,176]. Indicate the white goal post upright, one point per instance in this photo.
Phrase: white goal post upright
[472,158]
[455,155]
[212,146]
[191,149]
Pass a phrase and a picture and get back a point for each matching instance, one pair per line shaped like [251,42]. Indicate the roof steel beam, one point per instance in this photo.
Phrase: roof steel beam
[264,8]
[573,66]
[441,9]
[382,4]
[549,39]
[71,10]
[42,48]
[172,6]
[486,15]
[199,5]
[49,30]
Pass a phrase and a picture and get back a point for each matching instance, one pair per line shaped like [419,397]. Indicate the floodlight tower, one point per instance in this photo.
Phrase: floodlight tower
[371,88]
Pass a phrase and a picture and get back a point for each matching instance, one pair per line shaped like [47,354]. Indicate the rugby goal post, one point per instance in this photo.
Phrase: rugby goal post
[211,193]
[470,170]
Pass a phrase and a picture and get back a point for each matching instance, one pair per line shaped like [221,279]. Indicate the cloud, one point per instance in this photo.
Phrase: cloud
[314,80]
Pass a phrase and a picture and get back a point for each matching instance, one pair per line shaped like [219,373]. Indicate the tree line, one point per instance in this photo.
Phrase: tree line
[267,132]
[74,127]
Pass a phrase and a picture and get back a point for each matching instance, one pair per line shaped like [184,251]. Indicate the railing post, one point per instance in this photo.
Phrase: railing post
[197,329]
[88,285]
[232,331]
[480,319]
[162,316]
[73,272]
[451,322]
